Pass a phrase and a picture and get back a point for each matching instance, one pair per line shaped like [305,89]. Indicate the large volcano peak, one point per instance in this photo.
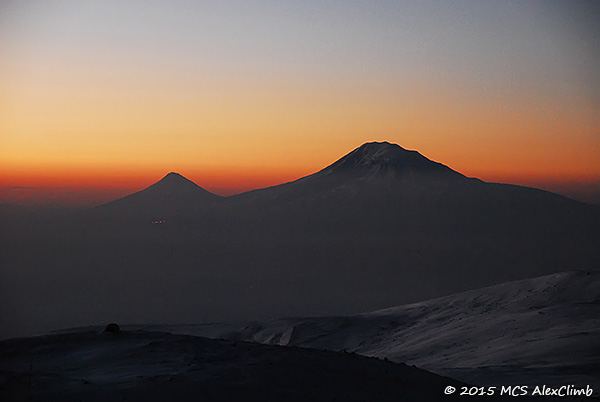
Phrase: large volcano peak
[380,157]
[372,153]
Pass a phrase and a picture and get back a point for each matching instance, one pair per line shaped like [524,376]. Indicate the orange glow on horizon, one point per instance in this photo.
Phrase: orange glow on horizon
[84,185]
[236,98]
[138,178]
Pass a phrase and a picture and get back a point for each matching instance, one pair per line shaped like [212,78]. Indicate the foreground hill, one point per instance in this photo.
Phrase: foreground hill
[540,330]
[153,366]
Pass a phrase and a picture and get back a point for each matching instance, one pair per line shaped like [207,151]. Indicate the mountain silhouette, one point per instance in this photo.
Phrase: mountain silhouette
[172,195]
[382,226]
[381,158]
[378,188]
[373,171]
[383,184]
[175,185]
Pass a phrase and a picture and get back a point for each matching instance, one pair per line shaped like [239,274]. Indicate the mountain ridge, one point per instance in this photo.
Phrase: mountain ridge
[380,160]
[330,245]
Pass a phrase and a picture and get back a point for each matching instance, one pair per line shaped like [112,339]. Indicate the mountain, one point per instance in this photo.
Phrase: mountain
[533,329]
[372,166]
[420,222]
[381,227]
[381,187]
[173,195]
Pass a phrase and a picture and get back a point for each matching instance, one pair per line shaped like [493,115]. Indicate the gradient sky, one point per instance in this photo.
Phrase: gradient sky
[100,98]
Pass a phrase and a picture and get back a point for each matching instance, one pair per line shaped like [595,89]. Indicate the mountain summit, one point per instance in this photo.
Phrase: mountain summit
[173,177]
[171,195]
[175,185]
[383,157]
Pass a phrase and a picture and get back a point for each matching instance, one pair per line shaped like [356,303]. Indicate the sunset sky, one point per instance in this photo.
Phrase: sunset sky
[101,98]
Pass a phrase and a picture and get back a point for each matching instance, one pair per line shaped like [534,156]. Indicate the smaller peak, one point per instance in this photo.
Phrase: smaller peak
[174,177]
[174,182]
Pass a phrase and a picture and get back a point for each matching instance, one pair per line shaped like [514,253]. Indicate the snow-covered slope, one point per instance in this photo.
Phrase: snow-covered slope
[550,322]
